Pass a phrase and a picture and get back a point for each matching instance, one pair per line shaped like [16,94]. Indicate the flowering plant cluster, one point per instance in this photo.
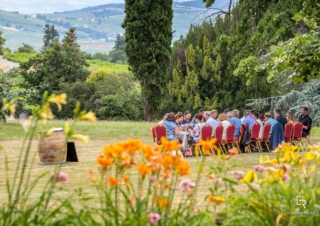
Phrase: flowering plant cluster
[17,209]
[145,179]
[274,188]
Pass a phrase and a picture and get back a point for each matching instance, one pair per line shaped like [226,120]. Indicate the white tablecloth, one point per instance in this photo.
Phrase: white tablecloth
[184,137]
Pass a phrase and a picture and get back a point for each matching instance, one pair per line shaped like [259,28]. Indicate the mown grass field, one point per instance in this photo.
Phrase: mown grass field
[101,133]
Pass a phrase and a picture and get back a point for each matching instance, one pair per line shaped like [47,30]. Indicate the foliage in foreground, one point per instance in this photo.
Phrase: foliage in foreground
[19,209]
[143,185]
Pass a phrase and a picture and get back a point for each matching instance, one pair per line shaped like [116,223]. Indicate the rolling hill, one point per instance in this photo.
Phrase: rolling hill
[96,26]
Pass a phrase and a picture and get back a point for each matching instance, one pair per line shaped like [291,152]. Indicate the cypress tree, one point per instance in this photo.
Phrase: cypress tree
[148,35]
[50,35]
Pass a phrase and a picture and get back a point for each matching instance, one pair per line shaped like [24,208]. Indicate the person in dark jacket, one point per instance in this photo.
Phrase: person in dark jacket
[305,120]
[277,136]
[279,118]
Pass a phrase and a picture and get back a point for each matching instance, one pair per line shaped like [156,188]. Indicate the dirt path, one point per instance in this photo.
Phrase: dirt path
[9,64]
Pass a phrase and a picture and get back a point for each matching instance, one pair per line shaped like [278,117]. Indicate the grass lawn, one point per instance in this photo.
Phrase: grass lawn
[101,133]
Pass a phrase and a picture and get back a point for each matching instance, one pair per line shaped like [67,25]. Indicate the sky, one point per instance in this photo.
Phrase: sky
[49,6]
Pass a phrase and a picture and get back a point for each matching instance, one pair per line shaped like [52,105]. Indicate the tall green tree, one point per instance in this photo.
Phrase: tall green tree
[75,63]
[148,35]
[2,41]
[120,43]
[60,63]
[50,35]
[297,59]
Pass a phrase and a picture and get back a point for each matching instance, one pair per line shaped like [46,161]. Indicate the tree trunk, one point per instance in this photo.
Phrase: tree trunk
[147,113]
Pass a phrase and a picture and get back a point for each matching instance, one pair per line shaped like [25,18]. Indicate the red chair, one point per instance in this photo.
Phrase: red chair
[255,130]
[206,134]
[218,135]
[297,132]
[161,131]
[265,136]
[230,135]
[288,132]
[238,140]
[153,132]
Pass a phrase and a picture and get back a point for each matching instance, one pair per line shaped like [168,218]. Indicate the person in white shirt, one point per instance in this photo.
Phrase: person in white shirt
[255,116]
[225,123]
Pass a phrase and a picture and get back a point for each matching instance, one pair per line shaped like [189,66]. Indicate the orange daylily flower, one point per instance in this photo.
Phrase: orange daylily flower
[144,169]
[126,180]
[93,179]
[216,199]
[207,144]
[166,186]
[183,168]
[113,181]
[233,151]
[148,152]
[163,203]
[104,161]
[131,146]
[211,177]
[117,151]
[170,145]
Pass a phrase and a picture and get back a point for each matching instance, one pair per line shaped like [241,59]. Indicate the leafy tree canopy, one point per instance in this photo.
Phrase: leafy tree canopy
[148,35]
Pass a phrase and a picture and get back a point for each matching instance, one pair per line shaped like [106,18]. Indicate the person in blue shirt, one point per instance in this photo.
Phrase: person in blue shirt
[248,119]
[172,129]
[235,121]
[270,120]
[277,115]
[211,121]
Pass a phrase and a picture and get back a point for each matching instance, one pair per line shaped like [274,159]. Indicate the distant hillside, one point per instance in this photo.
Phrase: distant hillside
[96,26]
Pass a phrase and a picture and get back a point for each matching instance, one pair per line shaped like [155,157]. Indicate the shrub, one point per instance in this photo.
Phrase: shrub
[78,92]
[118,107]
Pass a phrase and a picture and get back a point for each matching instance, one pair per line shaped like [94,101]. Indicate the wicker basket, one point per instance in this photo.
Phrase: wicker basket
[53,149]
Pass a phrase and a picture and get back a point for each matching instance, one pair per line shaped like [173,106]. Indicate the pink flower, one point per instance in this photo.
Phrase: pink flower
[154,218]
[61,176]
[186,185]
[258,168]
[285,177]
[153,179]
[238,174]
[271,168]
[286,167]
[254,186]
[218,180]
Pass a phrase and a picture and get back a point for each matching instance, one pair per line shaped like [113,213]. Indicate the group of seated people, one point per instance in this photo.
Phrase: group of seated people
[183,122]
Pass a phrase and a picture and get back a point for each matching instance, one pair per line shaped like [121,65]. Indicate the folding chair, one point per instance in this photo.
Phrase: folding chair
[230,135]
[265,137]
[237,141]
[297,132]
[255,130]
[153,133]
[205,134]
[288,132]
[161,131]
[218,135]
